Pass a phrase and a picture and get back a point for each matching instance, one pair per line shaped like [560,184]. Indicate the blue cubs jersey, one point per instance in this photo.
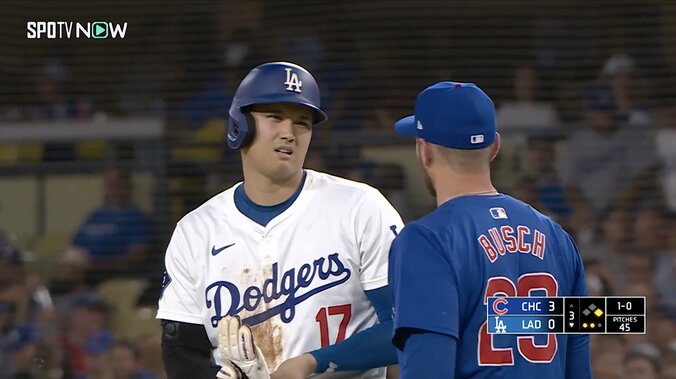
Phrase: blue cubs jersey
[444,267]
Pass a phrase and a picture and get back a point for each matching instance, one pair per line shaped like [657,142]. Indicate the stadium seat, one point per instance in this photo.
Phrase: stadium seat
[121,295]
[91,150]
[8,154]
[68,200]
[19,205]
[45,252]
[211,132]
[144,190]
[137,322]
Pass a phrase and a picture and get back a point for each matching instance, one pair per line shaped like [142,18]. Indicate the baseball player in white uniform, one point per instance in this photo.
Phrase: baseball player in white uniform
[296,257]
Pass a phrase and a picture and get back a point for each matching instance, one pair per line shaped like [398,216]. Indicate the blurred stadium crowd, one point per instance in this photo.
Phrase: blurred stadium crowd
[585,105]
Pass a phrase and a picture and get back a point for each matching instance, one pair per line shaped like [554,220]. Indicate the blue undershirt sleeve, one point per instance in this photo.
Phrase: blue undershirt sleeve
[427,355]
[367,349]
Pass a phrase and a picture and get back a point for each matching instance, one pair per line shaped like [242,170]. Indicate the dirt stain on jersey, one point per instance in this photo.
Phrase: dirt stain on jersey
[268,334]
[268,337]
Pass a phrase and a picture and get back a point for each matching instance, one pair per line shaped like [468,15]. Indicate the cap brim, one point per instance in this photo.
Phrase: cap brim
[406,126]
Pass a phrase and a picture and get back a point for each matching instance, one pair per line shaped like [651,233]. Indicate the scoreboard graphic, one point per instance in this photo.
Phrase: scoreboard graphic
[570,315]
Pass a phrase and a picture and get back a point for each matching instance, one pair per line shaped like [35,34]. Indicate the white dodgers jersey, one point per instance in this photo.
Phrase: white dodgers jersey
[299,281]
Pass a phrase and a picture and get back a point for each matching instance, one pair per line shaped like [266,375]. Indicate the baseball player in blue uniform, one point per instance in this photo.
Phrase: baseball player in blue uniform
[476,244]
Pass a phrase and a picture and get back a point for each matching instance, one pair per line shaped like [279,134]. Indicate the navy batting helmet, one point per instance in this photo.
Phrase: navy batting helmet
[275,82]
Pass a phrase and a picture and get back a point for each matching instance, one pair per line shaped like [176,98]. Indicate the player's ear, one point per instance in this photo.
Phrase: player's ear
[495,147]
[422,150]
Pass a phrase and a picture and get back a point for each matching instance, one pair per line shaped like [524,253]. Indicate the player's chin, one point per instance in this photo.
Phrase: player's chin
[284,170]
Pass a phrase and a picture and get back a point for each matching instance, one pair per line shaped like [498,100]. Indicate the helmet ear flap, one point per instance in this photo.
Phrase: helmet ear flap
[241,129]
[250,130]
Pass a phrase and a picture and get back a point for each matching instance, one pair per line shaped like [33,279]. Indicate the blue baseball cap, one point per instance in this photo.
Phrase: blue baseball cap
[451,114]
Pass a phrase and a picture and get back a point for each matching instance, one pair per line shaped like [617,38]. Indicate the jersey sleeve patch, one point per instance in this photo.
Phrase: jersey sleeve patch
[166,279]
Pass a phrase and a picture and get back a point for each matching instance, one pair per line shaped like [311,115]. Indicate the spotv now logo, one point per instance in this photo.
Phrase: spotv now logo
[70,29]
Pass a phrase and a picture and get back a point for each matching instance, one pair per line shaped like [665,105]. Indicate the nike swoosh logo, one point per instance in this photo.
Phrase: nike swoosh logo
[215,251]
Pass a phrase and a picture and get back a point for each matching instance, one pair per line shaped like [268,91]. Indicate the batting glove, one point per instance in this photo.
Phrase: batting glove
[230,371]
[236,344]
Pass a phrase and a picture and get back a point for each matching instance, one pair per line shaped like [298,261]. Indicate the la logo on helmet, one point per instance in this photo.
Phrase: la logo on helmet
[292,82]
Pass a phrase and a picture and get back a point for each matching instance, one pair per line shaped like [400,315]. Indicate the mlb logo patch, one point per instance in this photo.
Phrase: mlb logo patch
[477,138]
[498,213]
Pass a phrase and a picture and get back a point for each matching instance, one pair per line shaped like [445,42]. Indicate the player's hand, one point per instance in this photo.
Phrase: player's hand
[236,345]
[299,367]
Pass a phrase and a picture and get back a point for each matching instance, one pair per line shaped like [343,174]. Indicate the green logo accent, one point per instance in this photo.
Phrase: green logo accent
[99,29]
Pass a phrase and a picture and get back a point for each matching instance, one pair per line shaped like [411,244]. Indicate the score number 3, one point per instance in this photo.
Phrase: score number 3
[499,285]
[322,318]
